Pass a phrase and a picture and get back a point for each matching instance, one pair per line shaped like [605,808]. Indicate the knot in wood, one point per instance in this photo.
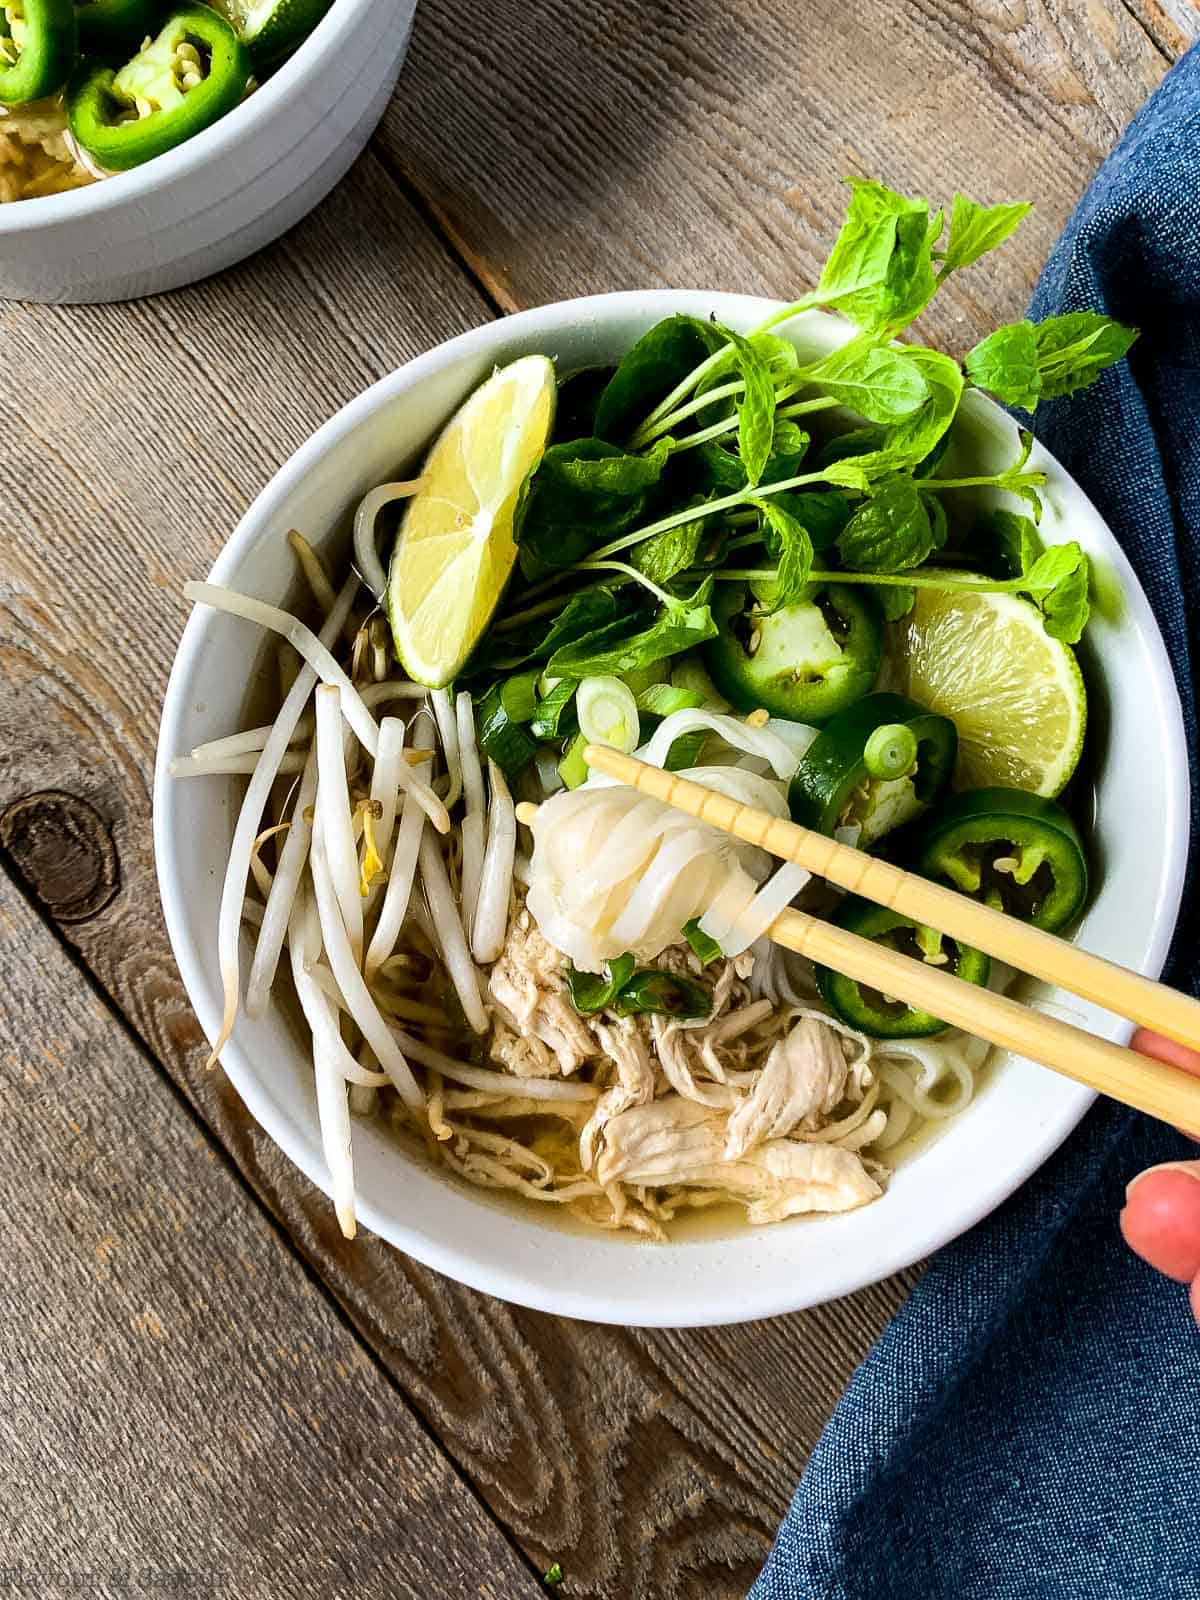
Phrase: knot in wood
[63,849]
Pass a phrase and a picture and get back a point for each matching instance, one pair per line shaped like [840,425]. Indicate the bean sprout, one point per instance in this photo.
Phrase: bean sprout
[361,1006]
[449,928]
[366,550]
[258,791]
[334,819]
[401,875]
[496,877]
[443,710]
[473,831]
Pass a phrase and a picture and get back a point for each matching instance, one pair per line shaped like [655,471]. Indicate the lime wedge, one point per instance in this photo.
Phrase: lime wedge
[455,549]
[1015,695]
[271,29]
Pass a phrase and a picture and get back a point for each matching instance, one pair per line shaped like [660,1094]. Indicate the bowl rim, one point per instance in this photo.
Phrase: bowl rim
[94,199]
[469,1265]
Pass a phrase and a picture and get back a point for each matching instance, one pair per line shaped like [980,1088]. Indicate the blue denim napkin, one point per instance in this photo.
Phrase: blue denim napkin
[1028,1428]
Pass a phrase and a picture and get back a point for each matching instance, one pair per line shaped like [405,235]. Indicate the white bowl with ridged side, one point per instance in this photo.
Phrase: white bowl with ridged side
[224,194]
[1138,761]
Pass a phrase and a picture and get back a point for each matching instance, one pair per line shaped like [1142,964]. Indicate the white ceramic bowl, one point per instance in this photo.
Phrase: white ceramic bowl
[1021,1114]
[227,192]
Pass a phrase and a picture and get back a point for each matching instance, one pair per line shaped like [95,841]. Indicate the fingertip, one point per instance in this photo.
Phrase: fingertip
[1168,1050]
[1161,1221]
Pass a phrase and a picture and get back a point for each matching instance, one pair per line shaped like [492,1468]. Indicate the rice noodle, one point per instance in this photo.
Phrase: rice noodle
[754,741]
[473,832]
[496,877]
[753,920]
[608,873]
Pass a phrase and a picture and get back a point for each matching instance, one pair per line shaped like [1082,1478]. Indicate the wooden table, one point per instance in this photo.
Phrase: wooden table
[207,1390]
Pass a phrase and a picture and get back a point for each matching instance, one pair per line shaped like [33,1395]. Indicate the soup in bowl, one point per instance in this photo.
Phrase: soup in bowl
[793,1142]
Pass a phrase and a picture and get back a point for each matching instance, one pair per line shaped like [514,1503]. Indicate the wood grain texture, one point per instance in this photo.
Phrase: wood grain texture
[564,149]
[184,1410]
[1173,25]
[649,1464]
[646,143]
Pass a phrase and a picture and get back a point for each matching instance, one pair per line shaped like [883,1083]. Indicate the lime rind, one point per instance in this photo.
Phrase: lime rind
[456,548]
[1016,696]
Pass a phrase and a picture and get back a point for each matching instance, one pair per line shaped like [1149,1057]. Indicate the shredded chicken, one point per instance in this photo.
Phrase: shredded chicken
[802,1082]
[625,1044]
[677,1141]
[528,989]
[693,1112]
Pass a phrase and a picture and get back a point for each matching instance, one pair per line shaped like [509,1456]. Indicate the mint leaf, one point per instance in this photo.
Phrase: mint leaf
[848,475]
[680,626]
[1006,542]
[755,406]
[890,533]
[1024,362]
[581,494]
[976,229]
[583,613]
[789,439]
[717,465]
[665,554]
[1057,583]
[879,383]
[1006,364]
[907,443]
[879,272]
[823,516]
[663,355]
[1074,349]
[893,601]
[790,546]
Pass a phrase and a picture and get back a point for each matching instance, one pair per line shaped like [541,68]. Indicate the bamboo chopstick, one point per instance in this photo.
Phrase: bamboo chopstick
[1147,1085]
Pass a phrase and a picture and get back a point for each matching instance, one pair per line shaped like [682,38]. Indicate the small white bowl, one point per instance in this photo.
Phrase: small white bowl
[1022,1112]
[227,192]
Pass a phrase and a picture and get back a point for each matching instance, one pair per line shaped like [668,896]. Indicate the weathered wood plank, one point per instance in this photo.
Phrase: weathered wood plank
[1173,25]
[184,1409]
[565,150]
[649,1464]
[654,143]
